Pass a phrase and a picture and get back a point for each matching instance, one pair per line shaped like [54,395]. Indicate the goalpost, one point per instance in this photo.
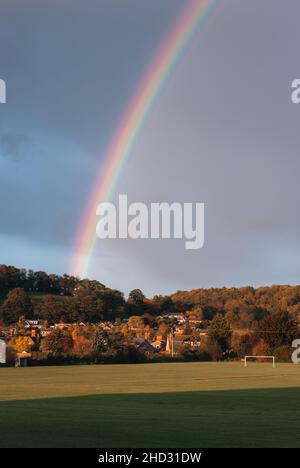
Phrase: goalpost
[260,357]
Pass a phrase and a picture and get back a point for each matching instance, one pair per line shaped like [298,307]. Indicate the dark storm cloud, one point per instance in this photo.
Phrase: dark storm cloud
[70,69]
[223,132]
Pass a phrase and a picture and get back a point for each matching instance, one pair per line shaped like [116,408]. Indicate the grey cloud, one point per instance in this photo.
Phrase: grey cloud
[224,131]
[12,145]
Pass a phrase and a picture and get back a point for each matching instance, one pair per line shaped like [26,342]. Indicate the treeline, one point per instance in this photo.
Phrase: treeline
[54,298]
[36,281]
[236,321]
[243,307]
[68,299]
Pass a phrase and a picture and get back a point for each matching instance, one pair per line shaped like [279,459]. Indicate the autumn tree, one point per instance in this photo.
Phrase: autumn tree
[261,349]
[163,329]
[164,303]
[57,342]
[81,346]
[136,322]
[196,313]
[21,343]
[242,344]
[277,329]
[219,332]
[99,343]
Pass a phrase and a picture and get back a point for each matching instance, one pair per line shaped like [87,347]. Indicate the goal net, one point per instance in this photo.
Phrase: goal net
[260,357]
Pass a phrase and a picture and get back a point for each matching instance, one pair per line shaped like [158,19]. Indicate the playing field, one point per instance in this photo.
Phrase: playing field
[151,405]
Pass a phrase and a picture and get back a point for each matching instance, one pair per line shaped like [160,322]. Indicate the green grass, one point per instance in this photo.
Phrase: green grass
[239,418]
[44,382]
[152,405]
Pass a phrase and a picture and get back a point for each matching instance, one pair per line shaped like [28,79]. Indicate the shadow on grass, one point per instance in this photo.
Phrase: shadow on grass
[238,418]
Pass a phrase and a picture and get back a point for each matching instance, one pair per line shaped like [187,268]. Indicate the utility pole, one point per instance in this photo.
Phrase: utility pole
[172,340]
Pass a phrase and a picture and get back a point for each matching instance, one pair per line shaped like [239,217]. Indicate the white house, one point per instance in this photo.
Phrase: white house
[2,352]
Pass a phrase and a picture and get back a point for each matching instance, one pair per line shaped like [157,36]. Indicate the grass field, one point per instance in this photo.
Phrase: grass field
[151,405]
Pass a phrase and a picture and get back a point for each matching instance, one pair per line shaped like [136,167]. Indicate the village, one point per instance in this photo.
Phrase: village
[166,336]
[47,319]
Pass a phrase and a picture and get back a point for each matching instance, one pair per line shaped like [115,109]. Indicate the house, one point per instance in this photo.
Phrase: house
[45,331]
[195,322]
[63,326]
[177,342]
[32,323]
[192,341]
[106,326]
[2,352]
[175,317]
[144,346]
[158,344]
[179,330]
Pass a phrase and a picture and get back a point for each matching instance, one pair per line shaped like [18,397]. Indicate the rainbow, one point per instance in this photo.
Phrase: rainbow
[131,125]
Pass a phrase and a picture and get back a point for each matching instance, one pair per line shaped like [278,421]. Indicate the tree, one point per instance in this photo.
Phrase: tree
[136,322]
[242,344]
[164,303]
[261,349]
[163,329]
[16,304]
[89,286]
[41,281]
[212,349]
[86,307]
[21,343]
[51,309]
[99,342]
[93,303]
[82,346]
[114,302]
[57,342]
[277,329]
[136,297]
[219,332]
[196,313]
[116,344]
[283,354]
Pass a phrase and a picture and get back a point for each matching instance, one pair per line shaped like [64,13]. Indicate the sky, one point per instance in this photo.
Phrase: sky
[224,132]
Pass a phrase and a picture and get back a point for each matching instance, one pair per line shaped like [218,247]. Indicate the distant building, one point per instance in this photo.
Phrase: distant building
[176,342]
[159,344]
[176,317]
[144,346]
[2,352]
[32,323]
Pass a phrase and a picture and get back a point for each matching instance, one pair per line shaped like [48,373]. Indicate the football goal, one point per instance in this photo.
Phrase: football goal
[260,357]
